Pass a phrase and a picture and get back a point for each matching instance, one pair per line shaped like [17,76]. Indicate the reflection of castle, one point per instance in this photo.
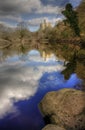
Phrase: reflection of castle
[45,25]
[46,56]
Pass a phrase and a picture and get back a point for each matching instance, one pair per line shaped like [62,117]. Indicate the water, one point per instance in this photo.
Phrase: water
[24,80]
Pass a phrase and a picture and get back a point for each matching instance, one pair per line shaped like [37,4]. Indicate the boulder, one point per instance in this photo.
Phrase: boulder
[65,108]
[52,127]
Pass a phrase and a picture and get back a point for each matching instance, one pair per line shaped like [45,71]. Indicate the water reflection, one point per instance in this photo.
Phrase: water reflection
[24,80]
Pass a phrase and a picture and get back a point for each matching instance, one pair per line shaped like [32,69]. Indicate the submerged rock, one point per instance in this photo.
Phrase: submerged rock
[52,127]
[65,108]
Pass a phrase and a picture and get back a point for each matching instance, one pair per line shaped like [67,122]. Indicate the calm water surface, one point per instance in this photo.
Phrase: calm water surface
[24,80]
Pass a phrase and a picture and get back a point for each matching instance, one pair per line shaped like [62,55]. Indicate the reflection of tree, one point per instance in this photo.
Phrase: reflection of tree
[70,67]
[76,60]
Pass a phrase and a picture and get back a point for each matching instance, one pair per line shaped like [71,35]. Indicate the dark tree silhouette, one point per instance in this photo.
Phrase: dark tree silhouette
[72,18]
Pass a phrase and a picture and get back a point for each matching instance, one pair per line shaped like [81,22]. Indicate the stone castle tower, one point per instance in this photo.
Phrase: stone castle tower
[45,25]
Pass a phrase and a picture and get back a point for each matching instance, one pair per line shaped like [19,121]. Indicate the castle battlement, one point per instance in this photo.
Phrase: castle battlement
[45,25]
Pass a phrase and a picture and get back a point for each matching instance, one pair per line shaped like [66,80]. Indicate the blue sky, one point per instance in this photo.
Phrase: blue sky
[32,11]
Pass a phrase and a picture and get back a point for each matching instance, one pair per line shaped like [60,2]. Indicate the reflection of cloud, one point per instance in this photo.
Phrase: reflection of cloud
[6,106]
[19,78]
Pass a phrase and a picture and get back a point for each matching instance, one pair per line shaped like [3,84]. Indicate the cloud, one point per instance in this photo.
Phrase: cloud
[18,7]
[15,10]
[49,9]
[19,78]
[38,21]
[21,10]
[24,6]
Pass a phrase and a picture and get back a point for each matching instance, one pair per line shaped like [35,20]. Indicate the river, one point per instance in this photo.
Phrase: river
[24,80]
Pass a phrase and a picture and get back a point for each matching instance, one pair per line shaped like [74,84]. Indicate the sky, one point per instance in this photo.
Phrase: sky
[33,12]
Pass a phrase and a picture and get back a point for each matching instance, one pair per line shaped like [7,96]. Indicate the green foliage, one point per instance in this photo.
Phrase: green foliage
[6,36]
[72,18]
[22,33]
[65,34]
[22,29]
[81,16]
[49,35]
[65,47]
[81,56]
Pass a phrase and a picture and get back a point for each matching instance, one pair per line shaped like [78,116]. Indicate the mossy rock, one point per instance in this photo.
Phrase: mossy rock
[65,108]
[52,127]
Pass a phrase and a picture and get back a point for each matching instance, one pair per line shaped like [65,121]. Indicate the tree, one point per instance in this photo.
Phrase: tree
[22,28]
[22,25]
[72,18]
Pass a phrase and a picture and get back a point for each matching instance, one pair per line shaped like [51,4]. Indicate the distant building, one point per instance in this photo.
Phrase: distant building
[45,25]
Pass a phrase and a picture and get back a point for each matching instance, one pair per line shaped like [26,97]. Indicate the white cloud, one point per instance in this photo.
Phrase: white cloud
[49,9]
[16,10]
[38,21]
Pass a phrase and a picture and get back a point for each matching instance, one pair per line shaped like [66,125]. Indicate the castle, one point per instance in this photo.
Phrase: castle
[45,25]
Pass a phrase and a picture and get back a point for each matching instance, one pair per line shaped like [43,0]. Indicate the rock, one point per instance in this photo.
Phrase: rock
[64,108]
[52,127]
